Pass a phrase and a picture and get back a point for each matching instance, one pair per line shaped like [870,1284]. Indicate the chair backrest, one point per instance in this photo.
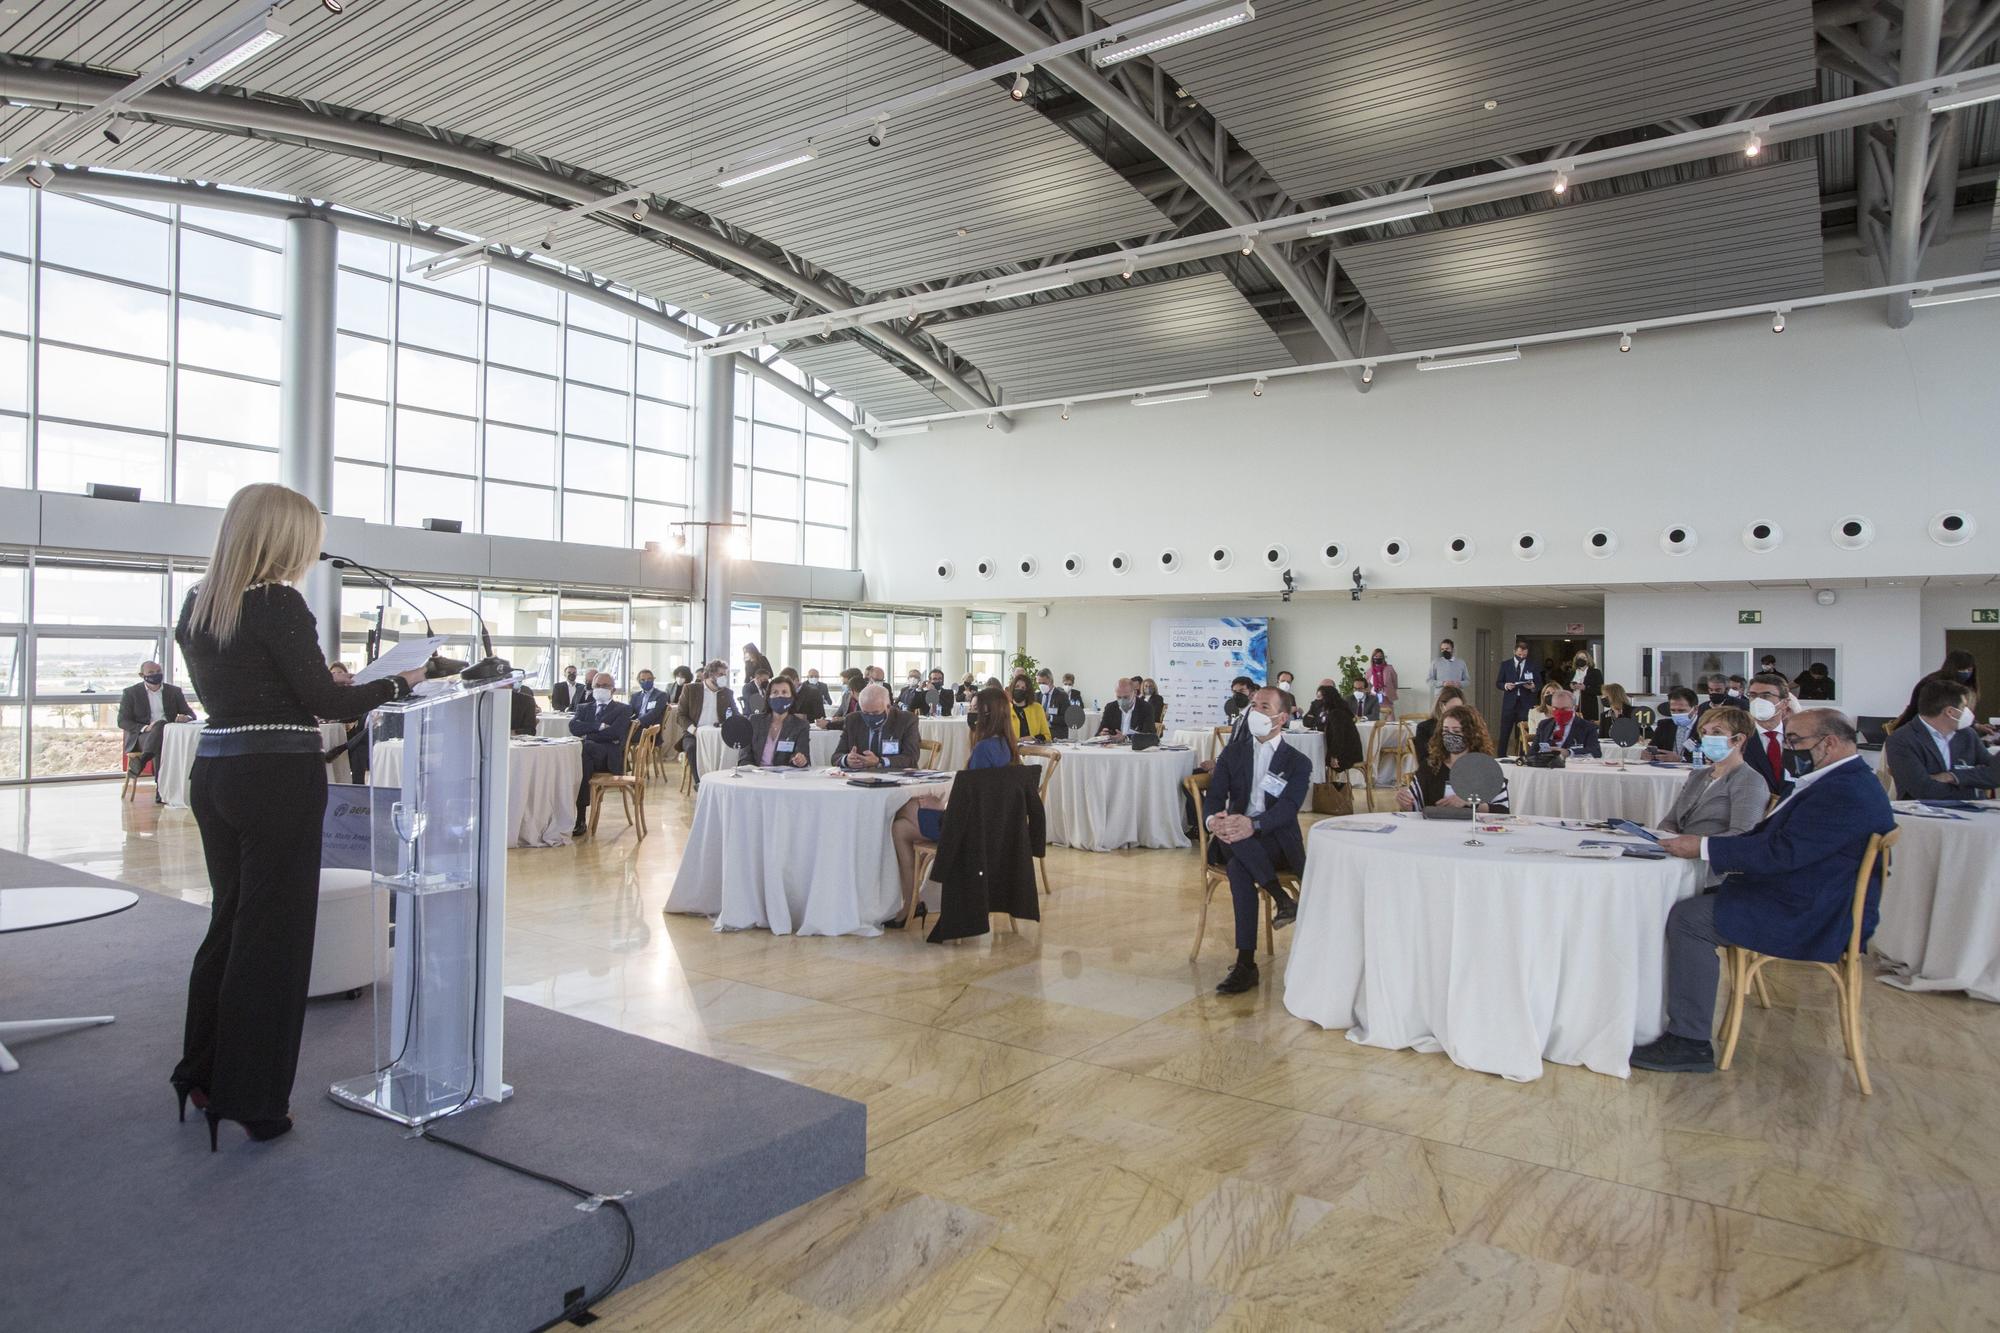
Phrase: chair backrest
[928,751]
[1051,755]
[1197,787]
[634,762]
[1878,847]
[1888,781]
[1523,737]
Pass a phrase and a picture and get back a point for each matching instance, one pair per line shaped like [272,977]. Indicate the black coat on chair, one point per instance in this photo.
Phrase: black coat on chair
[994,828]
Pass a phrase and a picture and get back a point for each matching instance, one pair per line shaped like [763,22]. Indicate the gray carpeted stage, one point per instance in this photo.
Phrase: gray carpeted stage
[114,1216]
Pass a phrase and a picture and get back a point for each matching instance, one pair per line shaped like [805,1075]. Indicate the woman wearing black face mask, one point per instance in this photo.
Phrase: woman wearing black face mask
[1959,666]
[782,739]
[1031,724]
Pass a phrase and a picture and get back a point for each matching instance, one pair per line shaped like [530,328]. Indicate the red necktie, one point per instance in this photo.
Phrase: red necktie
[1774,754]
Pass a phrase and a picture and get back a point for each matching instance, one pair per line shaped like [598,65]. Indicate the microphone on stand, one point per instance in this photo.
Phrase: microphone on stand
[487,668]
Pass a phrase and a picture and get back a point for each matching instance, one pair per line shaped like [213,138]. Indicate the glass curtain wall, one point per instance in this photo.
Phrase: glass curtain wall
[794,474]
[833,637]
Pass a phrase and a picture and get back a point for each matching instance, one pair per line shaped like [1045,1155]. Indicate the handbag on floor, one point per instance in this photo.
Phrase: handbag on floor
[1332,798]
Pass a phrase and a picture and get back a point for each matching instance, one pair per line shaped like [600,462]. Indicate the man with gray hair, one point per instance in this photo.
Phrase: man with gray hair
[1787,885]
[879,735]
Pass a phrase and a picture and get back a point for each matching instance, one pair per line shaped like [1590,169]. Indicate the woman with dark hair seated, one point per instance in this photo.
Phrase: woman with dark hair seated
[1336,722]
[991,722]
[781,738]
[1460,732]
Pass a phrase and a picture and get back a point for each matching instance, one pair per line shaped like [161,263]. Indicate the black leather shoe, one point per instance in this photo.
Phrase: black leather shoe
[1242,977]
[579,831]
[1286,909]
[1675,1055]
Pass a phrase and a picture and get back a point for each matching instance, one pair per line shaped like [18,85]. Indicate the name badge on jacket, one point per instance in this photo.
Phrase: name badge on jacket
[891,748]
[1273,785]
[786,747]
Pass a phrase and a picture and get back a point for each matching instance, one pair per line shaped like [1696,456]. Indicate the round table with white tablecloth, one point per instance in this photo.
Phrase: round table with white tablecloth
[542,781]
[177,746]
[954,734]
[1501,955]
[1940,923]
[711,754]
[794,851]
[1596,789]
[1104,797]
[555,726]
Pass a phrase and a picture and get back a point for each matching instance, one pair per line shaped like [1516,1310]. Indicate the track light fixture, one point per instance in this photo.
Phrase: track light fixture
[41,174]
[334,6]
[1778,322]
[1249,244]
[639,210]
[989,421]
[116,128]
[1257,389]
[1368,373]
[1754,146]
[1019,92]
[549,238]
[878,133]
[1065,412]
[1625,342]
[1131,265]
[1561,186]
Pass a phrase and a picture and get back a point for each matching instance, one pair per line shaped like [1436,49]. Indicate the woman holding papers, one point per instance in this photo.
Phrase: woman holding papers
[258,793]
[991,719]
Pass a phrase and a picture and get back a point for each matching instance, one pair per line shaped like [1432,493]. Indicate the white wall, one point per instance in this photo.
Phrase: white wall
[1838,415]
[1878,633]
[1951,608]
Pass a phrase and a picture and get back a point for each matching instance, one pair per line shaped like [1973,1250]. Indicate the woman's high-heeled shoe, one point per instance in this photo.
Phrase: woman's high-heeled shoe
[260,1130]
[186,1092]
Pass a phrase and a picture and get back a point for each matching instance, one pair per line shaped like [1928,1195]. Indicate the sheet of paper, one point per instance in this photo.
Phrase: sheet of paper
[406,655]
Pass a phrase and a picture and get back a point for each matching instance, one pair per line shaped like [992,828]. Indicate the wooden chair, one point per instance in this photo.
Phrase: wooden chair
[1212,876]
[1743,966]
[927,753]
[1523,738]
[630,785]
[1395,740]
[132,776]
[1052,760]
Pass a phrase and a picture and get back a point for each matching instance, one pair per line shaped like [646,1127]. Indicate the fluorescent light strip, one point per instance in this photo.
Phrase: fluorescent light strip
[1177,396]
[891,432]
[237,49]
[1054,284]
[1484,359]
[445,266]
[738,177]
[1147,42]
[1955,298]
[1336,225]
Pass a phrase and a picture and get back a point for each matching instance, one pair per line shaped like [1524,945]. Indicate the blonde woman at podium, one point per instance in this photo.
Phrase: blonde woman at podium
[258,791]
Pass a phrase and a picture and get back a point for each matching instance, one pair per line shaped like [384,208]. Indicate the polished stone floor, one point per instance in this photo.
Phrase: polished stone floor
[1069,1130]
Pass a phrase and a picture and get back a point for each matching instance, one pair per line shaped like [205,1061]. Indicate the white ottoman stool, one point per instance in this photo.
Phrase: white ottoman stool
[349,949]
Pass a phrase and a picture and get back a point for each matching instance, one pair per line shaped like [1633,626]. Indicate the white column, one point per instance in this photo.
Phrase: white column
[305,404]
[951,642]
[714,474]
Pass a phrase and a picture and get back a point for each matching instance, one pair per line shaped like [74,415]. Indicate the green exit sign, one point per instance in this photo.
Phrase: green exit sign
[1986,615]
[1749,617]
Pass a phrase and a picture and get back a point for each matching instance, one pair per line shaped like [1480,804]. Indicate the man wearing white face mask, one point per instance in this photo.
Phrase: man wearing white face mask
[1770,705]
[1251,811]
[601,719]
[1938,757]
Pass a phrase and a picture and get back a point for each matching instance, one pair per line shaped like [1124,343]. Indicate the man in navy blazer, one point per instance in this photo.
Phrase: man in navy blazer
[1564,729]
[602,720]
[1937,755]
[1252,815]
[1518,682]
[1787,885]
[649,701]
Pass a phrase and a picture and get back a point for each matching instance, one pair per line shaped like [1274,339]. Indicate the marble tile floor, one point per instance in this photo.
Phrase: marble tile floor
[1069,1130]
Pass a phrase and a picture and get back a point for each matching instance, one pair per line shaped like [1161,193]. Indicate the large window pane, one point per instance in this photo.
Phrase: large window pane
[776,449]
[108,389]
[14,278]
[13,451]
[14,373]
[826,459]
[520,511]
[588,411]
[361,366]
[774,494]
[361,304]
[591,618]
[441,383]
[73,739]
[524,400]
[10,666]
[586,314]
[360,430]
[773,540]
[424,439]
[249,226]
[654,618]
[90,666]
[520,455]
[103,314]
[665,426]
[518,293]
[828,547]
[664,375]
[662,477]
[233,272]
[594,467]
[514,340]
[776,406]
[69,457]
[598,360]
[357,491]
[519,615]
[227,409]
[208,474]
[826,503]
[421,495]
[593,519]
[99,239]
[366,252]
[16,207]
[232,340]
[70,595]
[441,323]
[656,523]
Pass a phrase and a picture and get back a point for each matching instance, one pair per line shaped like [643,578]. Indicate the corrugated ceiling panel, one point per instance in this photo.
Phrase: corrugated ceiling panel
[1331,94]
[1992,259]
[646,91]
[1154,333]
[865,379]
[1741,238]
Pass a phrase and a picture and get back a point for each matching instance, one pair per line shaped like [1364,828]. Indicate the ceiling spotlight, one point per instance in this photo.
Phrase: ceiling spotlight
[639,210]
[334,6]
[878,132]
[1130,265]
[1368,373]
[1755,146]
[1065,412]
[1625,342]
[1249,244]
[989,421]
[1778,322]
[1019,92]
[1562,183]
[41,174]
[116,128]
[1257,389]
[549,241]
[1491,105]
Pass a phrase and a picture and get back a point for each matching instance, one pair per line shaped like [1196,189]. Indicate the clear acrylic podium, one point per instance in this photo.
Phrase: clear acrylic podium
[438,825]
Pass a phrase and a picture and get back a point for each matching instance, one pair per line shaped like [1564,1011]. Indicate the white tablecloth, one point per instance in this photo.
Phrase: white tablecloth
[1940,923]
[1106,797]
[1595,789]
[177,757]
[799,853]
[954,734]
[553,725]
[1500,960]
[712,754]
[542,781]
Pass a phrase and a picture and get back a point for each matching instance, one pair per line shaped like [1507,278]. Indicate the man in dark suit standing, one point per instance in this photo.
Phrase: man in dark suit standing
[602,721]
[1564,730]
[1518,682]
[1587,683]
[1251,811]
[1125,714]
[144,710]
[878,735]
[1936,756]
[565,694]
[1787,885]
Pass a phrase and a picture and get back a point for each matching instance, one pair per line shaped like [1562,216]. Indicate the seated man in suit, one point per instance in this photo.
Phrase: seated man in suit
[1674,735]
[1054,702]
[807,703]
[1717,696]
[1367,704]
[565,694]
[1240,690]
[144,710]
[1564,730]
[1787,885]
[879,735]
[1937,755]
[705,703]
[917,698]
[1251,812]
[602,721]
[649,701]
[755,690]
[1125,714]
[1771,707]
[525,714]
